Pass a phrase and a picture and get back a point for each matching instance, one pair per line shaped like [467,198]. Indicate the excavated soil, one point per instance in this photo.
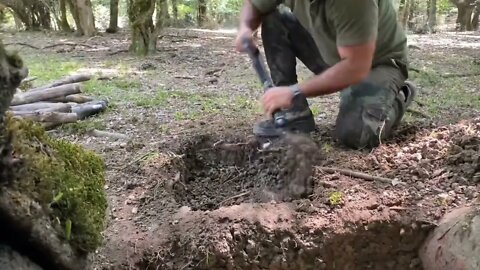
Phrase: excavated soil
[190,189]
[222,173]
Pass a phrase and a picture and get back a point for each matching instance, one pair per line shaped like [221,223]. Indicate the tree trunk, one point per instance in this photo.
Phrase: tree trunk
[476,15]
[202,12]
[175,11]
[12,72]
[432,16]
[162,18]
[83,15]
[144,32]
[63,17]
[405,13]
[411,14]
[113,27]
[87,20]
[73,10]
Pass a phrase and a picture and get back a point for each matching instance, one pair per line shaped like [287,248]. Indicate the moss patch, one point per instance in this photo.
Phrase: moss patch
[65,179]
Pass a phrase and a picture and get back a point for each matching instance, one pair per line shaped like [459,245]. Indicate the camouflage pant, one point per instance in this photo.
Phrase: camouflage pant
[367,109]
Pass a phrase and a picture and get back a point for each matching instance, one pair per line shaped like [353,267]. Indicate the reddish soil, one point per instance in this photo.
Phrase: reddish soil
[205,195]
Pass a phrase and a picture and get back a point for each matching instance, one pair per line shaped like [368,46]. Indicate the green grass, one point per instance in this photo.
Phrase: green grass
[49,68]
[440,94]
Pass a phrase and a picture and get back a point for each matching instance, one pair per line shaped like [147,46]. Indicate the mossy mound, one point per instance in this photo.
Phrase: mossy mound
[65,179]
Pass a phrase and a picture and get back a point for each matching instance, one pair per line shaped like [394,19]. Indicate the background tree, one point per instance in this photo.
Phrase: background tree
[113,27]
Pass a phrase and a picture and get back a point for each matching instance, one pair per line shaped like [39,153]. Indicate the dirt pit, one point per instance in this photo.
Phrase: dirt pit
[220,173]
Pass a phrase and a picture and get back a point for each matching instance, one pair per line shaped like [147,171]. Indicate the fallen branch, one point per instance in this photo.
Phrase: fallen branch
[46,94]
[29,79]
[89,108]
[117,52]
[50,117]
[184,77]
[100,133]
[42,106]
[23,44]
[67,44]
[77,98]
[356,174]
[453,75]
[67,80]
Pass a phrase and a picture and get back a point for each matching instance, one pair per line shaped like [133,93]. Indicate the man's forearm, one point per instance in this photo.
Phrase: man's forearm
[250,17]
[336,78]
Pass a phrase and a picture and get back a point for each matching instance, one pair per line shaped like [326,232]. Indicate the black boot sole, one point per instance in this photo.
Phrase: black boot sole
[302,125]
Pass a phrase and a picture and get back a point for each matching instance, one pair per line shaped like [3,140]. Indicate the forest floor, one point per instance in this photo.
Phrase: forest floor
[184,189]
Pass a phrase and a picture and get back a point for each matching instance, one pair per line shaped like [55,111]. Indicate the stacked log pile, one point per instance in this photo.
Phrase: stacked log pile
[57,103]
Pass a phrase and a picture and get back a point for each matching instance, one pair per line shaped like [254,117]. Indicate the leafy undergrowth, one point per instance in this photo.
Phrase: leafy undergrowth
[65,179]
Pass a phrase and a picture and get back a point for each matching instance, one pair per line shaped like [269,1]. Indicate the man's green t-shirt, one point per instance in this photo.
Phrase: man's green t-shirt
[335,23]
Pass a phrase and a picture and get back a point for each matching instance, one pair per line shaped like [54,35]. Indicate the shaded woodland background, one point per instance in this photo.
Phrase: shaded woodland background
[145,19]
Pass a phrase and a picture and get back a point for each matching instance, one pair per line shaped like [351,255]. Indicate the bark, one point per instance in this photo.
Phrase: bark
[113,26]
[202,13]
[47,94]
[64,26]
[42,106]
[144,33]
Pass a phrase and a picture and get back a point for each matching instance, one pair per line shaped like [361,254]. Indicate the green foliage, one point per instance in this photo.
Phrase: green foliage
[335,198]
[444,6]
[65,179]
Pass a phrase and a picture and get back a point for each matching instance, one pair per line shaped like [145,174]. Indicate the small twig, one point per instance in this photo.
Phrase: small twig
[29,79]
[117,52]
[235,197]
[453,75]
[356,174]
[23,44]
[100,133]
[67,44]
[424,115]
[185,77]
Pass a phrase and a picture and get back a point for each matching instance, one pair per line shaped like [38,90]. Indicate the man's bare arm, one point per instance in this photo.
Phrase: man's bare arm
[250,17]
[353,68]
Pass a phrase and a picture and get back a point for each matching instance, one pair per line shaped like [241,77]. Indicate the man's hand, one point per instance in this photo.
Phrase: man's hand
[244,33]
[276,98]
[250,20]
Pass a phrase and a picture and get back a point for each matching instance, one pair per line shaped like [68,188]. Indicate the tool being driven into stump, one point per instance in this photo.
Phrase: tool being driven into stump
[258,65]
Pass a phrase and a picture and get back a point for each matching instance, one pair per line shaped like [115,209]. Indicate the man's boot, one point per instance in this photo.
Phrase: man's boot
[299,119]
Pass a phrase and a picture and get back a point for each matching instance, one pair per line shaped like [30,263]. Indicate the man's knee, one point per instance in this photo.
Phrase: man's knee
[367,116]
